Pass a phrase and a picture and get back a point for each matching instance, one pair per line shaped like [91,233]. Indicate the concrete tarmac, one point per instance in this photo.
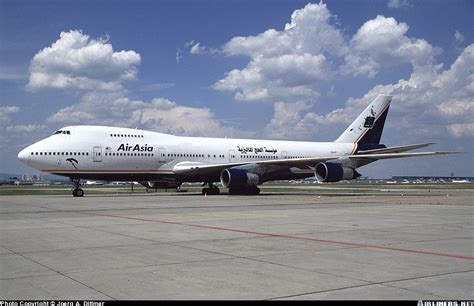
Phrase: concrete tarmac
[272,246]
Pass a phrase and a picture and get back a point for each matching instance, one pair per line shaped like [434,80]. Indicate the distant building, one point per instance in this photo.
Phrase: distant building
[434,179]
[31,177]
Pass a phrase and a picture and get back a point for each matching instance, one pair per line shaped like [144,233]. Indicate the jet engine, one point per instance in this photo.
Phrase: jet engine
[332,172]
[231,178]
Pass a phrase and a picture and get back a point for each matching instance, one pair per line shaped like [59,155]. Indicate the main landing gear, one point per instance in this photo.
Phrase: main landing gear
[77,192]
[249,190]
[211,190]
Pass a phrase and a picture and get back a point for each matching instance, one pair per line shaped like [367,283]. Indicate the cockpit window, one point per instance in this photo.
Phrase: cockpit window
[62,132]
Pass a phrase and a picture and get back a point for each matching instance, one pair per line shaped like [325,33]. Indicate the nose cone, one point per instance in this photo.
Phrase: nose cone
[24,155]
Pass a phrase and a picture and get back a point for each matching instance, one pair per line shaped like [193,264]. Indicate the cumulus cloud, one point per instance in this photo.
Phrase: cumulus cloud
[431,103]
[382,42]
[285,63]
[159,114]
[75,61]
[288,75]
[289,68]
[441,101]
[311,50]
[310,30]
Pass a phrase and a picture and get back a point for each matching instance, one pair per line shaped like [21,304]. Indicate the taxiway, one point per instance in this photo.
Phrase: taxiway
[273,246]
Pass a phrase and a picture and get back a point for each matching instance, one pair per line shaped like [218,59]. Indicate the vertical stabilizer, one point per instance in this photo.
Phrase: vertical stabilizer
[367,128]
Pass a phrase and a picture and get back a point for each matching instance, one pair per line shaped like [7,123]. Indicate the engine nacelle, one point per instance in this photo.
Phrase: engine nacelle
[331,172]
[231,178]
[160,185]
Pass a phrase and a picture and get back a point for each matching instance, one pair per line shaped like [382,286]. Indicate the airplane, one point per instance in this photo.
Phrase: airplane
[158,160]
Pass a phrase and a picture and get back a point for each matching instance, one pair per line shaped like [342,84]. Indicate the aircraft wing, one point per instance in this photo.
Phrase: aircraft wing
[197,168]
[194,168]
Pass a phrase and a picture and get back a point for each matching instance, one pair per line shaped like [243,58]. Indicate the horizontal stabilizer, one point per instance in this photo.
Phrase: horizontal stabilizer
[398,149]
[378,156]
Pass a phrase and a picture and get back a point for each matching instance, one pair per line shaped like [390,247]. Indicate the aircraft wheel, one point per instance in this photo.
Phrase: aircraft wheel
[237,191]
[250,190]
[254,190]
[211,191]
[78,192]
[215,190]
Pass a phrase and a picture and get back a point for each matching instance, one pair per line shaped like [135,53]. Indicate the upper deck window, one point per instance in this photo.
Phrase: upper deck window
[62,132]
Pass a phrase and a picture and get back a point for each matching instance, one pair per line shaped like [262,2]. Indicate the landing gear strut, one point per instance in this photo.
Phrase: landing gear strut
[211,190]
[77,192]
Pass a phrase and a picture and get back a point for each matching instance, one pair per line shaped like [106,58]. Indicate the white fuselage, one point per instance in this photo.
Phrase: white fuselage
[114,153]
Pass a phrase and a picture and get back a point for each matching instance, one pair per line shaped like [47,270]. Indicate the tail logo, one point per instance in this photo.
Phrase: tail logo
[370,120]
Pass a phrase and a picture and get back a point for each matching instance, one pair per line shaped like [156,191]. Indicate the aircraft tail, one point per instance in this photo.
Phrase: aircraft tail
[367,128]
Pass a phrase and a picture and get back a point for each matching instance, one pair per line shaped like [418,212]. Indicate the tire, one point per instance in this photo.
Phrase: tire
[250,190]
[78,192]
[215,191]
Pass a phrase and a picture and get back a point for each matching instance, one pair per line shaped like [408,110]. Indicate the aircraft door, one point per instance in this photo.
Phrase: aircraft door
[231,156]
[97,154]
[284,155]
[161,154]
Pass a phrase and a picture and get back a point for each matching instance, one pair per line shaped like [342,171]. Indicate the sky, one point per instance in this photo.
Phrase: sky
[280,69]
